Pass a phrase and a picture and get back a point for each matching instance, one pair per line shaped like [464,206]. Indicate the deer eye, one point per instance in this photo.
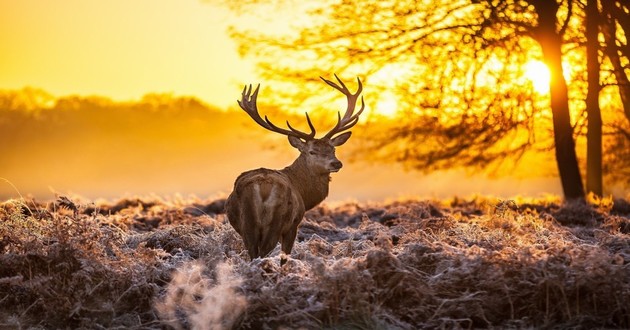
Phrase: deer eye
[312,153]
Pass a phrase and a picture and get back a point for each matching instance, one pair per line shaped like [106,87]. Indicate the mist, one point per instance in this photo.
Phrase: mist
[96,148]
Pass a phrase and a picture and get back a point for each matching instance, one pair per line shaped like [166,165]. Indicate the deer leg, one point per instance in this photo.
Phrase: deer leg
[271,218]
[287,241]
[252,234]
[267,244]
[287,244]
[250,238]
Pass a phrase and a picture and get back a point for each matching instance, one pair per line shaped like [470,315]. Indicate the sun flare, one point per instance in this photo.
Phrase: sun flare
[538,73]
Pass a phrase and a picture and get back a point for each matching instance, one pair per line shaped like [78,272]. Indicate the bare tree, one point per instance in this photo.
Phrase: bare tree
[462,60]
[615,28]
[616,31]
[594,174]
[550,39]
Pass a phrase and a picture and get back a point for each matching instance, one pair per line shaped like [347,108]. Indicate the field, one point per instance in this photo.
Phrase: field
[155,263]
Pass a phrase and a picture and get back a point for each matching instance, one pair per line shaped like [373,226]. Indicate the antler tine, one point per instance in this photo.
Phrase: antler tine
[248,104]
[310,125]
[349,119]
[346,123]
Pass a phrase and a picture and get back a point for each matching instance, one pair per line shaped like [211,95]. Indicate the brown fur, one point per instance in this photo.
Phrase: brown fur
[266,206]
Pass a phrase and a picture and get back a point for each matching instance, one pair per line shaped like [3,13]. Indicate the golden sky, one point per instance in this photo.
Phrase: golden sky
[120,49]
[124,49]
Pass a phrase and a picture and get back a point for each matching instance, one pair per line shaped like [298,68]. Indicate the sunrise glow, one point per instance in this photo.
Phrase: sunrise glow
[187,56]
[121,49]
[538,73]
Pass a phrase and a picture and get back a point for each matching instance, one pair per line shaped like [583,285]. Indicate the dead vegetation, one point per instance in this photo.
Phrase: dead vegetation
[461,263]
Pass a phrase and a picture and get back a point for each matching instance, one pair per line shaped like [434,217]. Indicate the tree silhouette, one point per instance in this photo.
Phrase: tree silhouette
[457,67]
[616,29]
[614,23]
[550,40]
[594,134]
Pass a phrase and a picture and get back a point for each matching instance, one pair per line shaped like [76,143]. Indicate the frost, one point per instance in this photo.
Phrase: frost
[460,263]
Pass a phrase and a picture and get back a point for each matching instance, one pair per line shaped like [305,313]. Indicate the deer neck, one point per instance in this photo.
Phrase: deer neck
[313,187]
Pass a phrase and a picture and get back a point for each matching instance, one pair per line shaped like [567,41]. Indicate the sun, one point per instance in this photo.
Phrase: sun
[538,73]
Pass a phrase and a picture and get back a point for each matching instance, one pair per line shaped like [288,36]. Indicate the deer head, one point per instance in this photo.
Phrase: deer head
[318,154]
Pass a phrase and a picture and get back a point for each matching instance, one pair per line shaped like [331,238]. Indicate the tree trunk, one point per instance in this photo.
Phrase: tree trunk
[612,50]
[550,41]
[594,135]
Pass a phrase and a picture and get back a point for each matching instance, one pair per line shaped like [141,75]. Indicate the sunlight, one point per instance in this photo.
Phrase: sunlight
[388,77]
[387,105]
[538,73]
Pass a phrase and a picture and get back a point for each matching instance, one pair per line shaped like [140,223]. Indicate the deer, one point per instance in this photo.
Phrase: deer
[266,206]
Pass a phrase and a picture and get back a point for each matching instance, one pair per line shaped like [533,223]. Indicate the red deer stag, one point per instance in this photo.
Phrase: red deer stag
[266,206]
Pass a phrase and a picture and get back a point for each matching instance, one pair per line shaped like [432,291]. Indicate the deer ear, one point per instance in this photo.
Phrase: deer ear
[297,143]
[340,139]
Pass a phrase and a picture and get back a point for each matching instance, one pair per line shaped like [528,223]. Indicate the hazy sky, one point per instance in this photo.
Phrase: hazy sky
[120,48]
[123,49]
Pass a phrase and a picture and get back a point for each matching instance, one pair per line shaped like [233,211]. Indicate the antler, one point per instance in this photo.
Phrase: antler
[248,103]
[348,119]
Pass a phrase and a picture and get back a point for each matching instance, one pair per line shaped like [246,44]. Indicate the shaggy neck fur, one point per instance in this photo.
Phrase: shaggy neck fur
[313,187]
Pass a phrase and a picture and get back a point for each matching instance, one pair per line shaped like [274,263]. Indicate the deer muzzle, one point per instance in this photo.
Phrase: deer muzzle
[335,166]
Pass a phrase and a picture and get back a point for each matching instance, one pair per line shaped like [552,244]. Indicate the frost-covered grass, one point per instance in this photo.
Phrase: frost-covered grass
[460,263]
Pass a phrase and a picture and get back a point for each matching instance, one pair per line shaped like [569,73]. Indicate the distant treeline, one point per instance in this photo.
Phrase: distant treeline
[162,143]
[84,143]
[32,120]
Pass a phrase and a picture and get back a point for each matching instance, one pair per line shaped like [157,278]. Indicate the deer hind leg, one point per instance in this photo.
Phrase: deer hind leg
[288,239]
[273,220]
[251,238]
[287,244]
[267,244]
[268,236]
[252,231]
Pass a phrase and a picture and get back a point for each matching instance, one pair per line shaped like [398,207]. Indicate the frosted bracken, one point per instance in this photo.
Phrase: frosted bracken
[460,263]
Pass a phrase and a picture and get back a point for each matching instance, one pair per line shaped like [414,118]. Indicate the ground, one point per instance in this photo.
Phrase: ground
[157,263]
